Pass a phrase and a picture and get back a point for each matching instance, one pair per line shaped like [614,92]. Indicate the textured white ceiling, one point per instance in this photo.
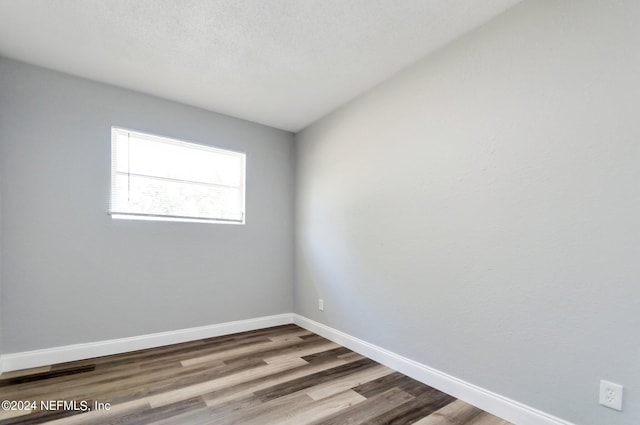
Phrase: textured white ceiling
[284,63]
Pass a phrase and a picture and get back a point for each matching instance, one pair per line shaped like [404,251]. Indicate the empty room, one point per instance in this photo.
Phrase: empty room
[320,212]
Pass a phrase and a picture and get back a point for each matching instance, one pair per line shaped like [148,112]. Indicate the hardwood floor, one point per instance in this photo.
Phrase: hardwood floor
[281,375]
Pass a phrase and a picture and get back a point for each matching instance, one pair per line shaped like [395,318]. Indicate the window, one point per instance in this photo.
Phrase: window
[156,178]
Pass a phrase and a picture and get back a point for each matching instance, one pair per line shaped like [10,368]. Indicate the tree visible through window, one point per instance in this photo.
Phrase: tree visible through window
[157,178]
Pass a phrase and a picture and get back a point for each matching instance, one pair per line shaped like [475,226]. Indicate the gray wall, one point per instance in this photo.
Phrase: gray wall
[71,274]
[480,212]
[1,348]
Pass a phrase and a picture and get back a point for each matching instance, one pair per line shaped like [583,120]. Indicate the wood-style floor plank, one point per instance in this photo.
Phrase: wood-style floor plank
[229,394]
[456,412]
[367,410]
[283,375]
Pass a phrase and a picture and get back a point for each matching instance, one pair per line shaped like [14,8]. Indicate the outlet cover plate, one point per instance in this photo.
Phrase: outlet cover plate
[611,395]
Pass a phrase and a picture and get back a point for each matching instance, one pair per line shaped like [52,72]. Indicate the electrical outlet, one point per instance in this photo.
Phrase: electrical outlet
[611,395]
[320,304]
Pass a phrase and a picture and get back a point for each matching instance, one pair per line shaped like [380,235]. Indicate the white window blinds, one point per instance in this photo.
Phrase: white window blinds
[157,178]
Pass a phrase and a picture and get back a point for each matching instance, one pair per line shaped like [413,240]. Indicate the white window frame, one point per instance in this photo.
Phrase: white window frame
[176,142]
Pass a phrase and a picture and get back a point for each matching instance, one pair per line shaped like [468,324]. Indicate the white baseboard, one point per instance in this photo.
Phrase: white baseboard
[488,401]
[496,404]
[49,356]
